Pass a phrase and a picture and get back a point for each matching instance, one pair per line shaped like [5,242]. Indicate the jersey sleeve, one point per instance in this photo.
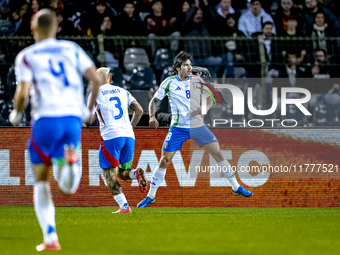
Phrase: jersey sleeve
[88,102]
[23,69]
[84,61]
[163,89]
[130,98]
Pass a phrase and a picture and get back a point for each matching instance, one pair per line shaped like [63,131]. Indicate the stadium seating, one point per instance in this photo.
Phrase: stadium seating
[143,78]
[162,59]
[295,113]
[325,114]
[224,112]
[117,76]
[135,57]
[168,71]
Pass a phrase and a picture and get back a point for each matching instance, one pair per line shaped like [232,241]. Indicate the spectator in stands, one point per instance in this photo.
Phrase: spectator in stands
[63,24]
[7,24]
[333,5]
[5,7]
[251,21]
[292,24]
[18,11]
[194,25]
[333,96]
[223,8]
[290,70]
[25,26]
[106,27]
[56,4]
[270,47]
[128,21]
[97,15]
[335,89]
[298,4]
[320,31]
[217,20]
[252,50]
[156,23]
[176,23]
[321,69]
[281,18]
[79,24]
[312,8]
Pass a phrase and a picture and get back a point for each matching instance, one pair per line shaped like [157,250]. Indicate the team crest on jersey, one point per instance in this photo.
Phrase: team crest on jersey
[166,145]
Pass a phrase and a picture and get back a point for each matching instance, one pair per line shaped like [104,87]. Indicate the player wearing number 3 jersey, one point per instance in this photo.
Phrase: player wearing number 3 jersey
[117,145]
[187,122]
[55,70]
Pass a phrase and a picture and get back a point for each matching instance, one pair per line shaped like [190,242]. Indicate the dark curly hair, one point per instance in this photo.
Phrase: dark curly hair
[180,59]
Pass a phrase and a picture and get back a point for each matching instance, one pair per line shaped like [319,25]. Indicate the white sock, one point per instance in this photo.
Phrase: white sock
[121,201]
[44,209]
[228,173]
[69,179]
[132,174]
[156,180]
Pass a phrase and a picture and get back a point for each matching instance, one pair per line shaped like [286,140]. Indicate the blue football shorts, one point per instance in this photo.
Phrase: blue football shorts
[117,152]
[177,136]
[49,135]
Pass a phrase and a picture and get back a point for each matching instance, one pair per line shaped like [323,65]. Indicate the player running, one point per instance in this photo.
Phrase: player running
[55,68]
[117,145]
[187,122]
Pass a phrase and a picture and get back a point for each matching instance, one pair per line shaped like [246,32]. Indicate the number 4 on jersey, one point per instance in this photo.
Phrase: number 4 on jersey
[60,73]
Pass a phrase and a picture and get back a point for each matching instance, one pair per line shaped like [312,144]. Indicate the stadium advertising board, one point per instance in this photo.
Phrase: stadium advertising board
[278,165]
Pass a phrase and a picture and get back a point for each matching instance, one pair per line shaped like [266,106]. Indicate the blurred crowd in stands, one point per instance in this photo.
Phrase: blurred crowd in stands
[189,17]
[249,24]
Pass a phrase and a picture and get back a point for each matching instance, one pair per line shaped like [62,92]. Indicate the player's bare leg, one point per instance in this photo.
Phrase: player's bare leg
[69,171]
[133,174]
[157,178]
[116,189]
[44,209]
[214,150]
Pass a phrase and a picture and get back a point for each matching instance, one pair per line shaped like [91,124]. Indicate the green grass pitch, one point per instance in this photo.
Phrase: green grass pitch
[95,230]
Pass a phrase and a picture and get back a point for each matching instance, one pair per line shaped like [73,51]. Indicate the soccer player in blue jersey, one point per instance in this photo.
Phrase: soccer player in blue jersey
[187,122]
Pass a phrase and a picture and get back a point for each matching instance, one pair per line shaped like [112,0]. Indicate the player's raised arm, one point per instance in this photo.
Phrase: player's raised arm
[137,114]
[153,122]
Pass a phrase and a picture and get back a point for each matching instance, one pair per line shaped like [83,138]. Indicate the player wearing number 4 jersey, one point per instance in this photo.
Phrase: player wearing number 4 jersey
[117,137]
[187,122]
[55,69]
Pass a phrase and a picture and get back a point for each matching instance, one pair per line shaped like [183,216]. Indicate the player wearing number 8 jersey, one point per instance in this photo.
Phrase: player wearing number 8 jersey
[184,93]
[55,69]
[117,137]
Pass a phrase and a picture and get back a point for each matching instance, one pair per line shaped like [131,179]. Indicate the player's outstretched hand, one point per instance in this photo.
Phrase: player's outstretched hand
[153,122]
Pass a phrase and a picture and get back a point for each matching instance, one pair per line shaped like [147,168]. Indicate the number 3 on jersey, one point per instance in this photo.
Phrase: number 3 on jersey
[60,73]
[118,106]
